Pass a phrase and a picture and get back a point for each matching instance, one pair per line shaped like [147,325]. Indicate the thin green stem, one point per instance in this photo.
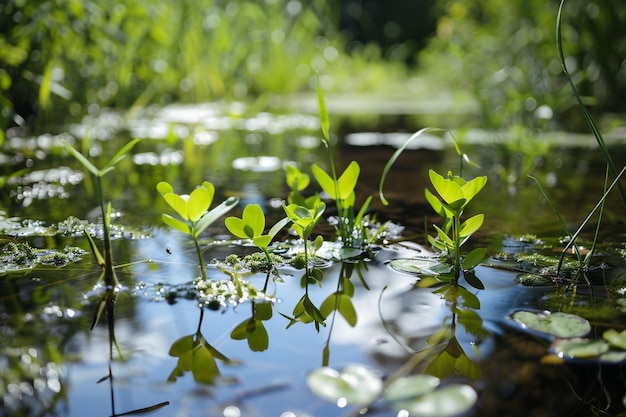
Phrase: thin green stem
[457,245]
[200,260]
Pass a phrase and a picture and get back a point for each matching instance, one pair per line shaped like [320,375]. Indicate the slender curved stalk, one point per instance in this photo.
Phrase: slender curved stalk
[588,118]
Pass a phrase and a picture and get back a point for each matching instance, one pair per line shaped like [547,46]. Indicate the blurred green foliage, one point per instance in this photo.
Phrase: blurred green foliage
[504,53]
[61,58]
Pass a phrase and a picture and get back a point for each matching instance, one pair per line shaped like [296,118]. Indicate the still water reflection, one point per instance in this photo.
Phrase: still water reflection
[53,364]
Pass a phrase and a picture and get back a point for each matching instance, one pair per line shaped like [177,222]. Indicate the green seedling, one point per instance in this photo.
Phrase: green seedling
[194,213]
[455,193]
[341,189]
[105,262]
[251,225]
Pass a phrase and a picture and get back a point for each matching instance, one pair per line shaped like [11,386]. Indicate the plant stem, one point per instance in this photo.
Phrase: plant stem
[457,246]
[110,280]
[199,253]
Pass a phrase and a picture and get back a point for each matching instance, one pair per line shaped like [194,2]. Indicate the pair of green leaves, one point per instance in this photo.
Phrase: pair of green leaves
[304,219]
[109,166]
[341,189]
[251,225]
[193,209]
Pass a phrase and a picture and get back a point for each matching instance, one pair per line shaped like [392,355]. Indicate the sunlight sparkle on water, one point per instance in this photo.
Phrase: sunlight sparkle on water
[232,411]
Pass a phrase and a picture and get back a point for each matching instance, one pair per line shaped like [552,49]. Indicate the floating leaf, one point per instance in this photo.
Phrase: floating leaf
[558,324]
[409,387]
[580,348]
[615,338]
[419,266]
[356,384]
[450,400]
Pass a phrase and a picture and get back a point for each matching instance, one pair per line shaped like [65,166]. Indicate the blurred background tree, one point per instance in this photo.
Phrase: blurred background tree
[63,59]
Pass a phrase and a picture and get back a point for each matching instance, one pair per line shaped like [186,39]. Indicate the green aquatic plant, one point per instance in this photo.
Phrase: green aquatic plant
[193,210]
[105,262]
[455,193]
[341,189]
[585,261]
[251,225]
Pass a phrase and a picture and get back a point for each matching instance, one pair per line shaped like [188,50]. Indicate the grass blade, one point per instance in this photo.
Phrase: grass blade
[397,154]
[583,108]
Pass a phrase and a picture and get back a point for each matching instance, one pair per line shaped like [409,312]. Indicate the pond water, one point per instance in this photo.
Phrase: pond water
[53,364]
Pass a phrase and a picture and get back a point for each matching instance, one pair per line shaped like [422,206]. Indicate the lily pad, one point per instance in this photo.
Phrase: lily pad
[562,325]
[356,385]
[580,348]
[409,387]
[596,351]
[420,266]
[450,400]
[615,338]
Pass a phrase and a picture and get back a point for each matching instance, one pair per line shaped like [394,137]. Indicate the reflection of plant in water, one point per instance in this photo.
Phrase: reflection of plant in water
[453,358]
[252,329]
[195,354]
[340,302]
[303,221]
[416,394]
